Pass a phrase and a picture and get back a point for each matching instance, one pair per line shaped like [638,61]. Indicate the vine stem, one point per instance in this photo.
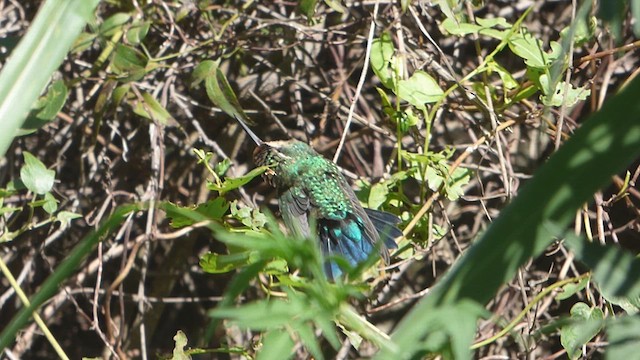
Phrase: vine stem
[528,308]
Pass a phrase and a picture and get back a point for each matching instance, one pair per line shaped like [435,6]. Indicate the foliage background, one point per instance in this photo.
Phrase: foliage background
[133,115]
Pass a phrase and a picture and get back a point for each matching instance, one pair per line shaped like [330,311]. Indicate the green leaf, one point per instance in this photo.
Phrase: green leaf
[216,263]
[455,27]
[631,305]
[508,80]
[488,27]
[378,195]
[308,7]
[382,58]
[213,209]
[128,63]
[447,6]
[178,351]
[138,32]
[624,338]
[605,144]
[222,167]
[587,323]
[613,12]
[584,31]
[530,49]
[40,52]
[456,183]
[234,183]
[113,24]
[8,210]
[260,315]
[151,109]
[50,203]
[611,266]
[276,344]
[218,89]
[420,89]
[65,217]
[557,96]
[35,176]
[336,6]
[46,109]
[572,288]
[249,217]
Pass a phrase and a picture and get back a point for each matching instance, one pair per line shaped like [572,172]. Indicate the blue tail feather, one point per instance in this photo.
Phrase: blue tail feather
[348,239]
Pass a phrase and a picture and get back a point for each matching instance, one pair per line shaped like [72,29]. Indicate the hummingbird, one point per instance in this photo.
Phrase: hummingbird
[312,190]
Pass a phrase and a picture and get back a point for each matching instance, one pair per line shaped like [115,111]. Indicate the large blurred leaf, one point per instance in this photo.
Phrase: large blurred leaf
[63,272]
[613,11]
[624,338]
[607,142]
[41,51]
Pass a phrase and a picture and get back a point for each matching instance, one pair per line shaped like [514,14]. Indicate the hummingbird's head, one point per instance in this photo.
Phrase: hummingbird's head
[281,152]
[281,156]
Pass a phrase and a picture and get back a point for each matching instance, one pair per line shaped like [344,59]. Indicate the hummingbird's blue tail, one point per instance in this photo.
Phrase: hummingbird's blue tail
[349,239]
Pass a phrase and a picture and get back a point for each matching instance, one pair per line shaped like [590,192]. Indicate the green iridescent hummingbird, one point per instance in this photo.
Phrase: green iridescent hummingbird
[312,187]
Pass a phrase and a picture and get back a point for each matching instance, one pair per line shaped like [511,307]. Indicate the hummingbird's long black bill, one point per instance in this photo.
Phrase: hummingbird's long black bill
[251,134]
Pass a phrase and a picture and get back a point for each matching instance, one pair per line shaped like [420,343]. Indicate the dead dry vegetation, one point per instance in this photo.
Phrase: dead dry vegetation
[136,109]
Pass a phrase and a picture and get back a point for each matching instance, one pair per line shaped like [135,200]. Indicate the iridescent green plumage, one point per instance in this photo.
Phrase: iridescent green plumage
[310,186]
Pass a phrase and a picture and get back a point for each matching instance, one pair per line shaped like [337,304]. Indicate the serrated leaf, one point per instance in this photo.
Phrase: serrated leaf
[456,183]
[35,176]
[308,338]
[222,167]
[218,263]
[530,49]
[555,97]
[276,344]
[233,183]
[212,209]
[249,217]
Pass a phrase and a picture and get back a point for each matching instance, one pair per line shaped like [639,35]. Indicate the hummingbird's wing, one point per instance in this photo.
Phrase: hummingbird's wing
[294,207]
[387,226]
